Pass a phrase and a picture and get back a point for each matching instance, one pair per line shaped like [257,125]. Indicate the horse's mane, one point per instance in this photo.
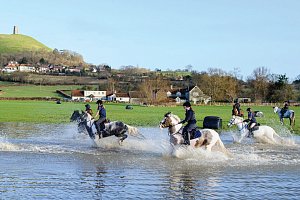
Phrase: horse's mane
[176,117]
[238,117]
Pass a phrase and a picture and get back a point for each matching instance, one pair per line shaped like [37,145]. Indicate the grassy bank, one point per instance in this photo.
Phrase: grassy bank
[50,112]
[31,91]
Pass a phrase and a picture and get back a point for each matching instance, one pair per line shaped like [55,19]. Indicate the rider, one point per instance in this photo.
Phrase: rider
[101,112]
[88,109]
[252,121]
[191,122]
[236,108]
[285,108]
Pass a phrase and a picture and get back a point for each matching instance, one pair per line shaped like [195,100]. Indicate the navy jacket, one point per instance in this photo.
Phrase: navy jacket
[189,117]
[251,117]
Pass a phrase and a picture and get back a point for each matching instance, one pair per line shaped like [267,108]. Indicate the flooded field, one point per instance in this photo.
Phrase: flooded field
[42,161]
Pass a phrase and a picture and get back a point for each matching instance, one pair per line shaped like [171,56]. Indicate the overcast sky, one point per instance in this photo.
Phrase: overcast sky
[166,34]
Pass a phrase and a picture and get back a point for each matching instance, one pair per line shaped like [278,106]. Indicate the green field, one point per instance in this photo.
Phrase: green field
[50,112]
[8,90]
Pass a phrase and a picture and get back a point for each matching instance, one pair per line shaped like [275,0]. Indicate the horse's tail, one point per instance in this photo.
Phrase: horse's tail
[133,131]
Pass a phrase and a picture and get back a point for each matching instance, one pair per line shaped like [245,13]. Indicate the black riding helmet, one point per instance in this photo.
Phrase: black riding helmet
[248,109]
[99,102]
[186,104]
[87,107]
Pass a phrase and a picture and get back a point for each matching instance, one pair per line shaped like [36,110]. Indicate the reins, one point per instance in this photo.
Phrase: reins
[243,126]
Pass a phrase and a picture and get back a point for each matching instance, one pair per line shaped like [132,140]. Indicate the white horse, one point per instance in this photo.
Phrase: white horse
[288,114]
[115,128]
[206,137]
[258,114]
[264,134]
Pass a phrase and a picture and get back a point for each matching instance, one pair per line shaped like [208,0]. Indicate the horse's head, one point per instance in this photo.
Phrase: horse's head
[75,116]
[169,120]
[275,109]
[166,121]
[234,120]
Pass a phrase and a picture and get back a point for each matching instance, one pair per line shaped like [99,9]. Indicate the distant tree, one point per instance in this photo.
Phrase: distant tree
[280,90]
[24,60]
[216,83]
[42,61]
[154,89]
[259,83]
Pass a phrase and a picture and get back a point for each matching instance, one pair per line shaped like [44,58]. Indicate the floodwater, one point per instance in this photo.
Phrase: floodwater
[42,161]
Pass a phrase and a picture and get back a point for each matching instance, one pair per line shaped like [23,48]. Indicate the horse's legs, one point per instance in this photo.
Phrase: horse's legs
[292,119]
[212,142]
[281,121]
[123,137]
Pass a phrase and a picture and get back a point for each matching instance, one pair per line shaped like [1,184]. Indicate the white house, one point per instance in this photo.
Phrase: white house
[122,97]
[26,68]
[87,95]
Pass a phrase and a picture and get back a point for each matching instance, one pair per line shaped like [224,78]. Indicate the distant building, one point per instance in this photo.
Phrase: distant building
[194,94]
[87,95]
[122,97]
[244,100]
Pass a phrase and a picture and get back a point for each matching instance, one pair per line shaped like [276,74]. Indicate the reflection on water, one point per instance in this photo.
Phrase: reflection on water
[46,161]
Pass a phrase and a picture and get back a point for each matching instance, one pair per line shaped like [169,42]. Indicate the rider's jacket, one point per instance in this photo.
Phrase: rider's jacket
[102,112]
[189,117]
[251,117]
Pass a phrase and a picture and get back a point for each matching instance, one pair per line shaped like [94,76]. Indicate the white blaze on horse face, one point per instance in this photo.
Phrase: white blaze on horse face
[275,109]
[161,124]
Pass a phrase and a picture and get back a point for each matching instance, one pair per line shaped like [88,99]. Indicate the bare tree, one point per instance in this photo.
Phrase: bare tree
[259,82]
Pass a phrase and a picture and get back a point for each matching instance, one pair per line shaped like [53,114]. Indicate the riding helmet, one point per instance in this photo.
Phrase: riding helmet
[186,104]
[248,109]
[87,107]
[99,102]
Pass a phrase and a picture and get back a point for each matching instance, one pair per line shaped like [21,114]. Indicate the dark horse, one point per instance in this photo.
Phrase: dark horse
[115,128]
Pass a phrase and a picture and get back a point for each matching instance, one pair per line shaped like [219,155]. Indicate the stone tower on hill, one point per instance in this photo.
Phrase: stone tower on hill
[16,30]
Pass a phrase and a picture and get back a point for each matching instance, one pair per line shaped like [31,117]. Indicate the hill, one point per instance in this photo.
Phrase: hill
[16,43]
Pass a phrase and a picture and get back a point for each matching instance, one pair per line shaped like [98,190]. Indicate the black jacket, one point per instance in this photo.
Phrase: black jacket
[189,117]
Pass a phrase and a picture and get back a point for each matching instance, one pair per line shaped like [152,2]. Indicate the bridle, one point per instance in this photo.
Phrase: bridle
[167,123]
[236,123]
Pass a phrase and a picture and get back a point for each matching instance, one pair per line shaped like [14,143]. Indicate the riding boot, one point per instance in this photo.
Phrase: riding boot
[99,132]
[186,138]
[250,134]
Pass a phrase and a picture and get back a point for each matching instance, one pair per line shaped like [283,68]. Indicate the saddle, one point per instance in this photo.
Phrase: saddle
[107,121]
[195,133]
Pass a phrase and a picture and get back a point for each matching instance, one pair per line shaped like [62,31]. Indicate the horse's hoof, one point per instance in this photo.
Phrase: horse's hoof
[120,142]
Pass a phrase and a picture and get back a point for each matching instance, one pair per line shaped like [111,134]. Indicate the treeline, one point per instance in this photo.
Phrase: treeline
[42,57]
[221,86]
[260,86]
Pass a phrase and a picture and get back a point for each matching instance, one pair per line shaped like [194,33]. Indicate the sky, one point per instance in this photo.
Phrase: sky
[234,35]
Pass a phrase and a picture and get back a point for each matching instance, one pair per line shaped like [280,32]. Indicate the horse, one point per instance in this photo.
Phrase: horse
[258,114]
[199,137]
[265,134]
[114,128]
[288,114]
[235,112]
